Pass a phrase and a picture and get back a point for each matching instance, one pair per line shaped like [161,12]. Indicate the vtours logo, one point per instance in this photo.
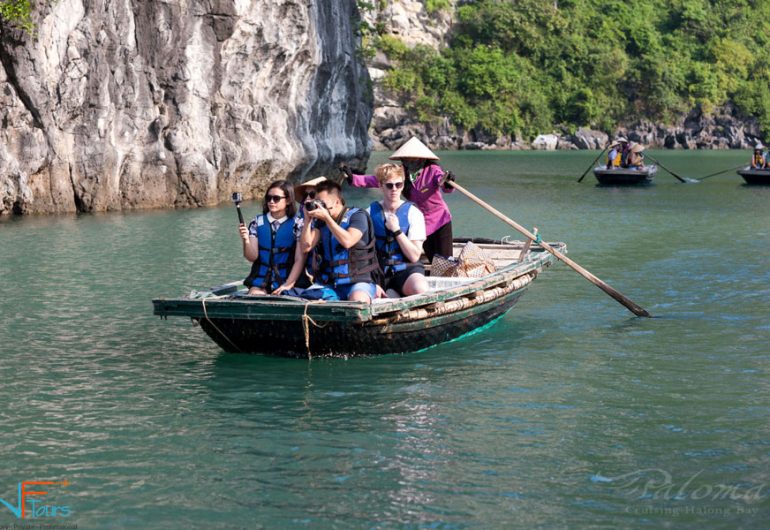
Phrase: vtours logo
[29,505]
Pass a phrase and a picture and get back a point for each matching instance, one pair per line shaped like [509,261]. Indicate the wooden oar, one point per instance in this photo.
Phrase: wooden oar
[592,164]
[635,309]
[671,172]
[723,171]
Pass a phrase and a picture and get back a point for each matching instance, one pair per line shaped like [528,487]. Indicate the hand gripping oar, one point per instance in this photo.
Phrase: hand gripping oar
[720,172]
[671,172]
[592,164]
[635,309]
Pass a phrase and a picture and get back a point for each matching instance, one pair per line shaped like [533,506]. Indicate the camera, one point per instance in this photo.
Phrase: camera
[315,203]
[237,197]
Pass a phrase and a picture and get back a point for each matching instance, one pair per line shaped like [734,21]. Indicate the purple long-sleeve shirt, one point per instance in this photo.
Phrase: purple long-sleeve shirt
[425,193]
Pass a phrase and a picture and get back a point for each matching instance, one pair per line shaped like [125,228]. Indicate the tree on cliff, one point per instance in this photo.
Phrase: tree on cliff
[16,13]
[522,67]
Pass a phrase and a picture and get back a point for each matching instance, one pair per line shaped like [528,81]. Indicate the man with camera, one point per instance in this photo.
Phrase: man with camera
[344,238]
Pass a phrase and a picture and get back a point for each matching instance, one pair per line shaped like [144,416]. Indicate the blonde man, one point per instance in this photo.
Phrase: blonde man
[399,230]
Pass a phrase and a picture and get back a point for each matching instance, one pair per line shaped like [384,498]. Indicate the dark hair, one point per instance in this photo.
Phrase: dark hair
[332,188]
[288,191]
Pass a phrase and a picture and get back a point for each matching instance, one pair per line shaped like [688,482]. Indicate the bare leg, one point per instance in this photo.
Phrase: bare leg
[415,284]
[359,296]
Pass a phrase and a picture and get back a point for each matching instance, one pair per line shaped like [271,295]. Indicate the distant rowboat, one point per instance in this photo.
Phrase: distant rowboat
[292,327]
[755,176]
[619,176]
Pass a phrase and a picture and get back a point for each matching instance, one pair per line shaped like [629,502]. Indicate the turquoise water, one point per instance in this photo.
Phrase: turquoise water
[568,412]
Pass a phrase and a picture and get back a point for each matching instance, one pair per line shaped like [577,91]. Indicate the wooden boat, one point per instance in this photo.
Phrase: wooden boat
[755,176]
[619,176]
[293,327]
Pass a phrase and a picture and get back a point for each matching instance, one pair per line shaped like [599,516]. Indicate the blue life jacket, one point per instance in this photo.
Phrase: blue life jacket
[276,255]
[340,265]
[389,253]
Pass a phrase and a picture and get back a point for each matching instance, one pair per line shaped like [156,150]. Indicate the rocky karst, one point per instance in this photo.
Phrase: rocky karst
[143,103]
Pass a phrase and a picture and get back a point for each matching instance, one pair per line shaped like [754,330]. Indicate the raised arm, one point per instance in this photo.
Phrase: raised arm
[363,181]
[250,243]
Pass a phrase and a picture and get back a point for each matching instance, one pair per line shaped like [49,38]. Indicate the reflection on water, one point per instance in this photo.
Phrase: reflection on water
[518,425]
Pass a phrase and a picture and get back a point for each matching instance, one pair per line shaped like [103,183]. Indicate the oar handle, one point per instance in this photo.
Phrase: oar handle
[628,303]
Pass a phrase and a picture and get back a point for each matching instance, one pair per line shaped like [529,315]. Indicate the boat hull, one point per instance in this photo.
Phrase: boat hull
[755,177]
[293,327]
[348,339]
[625,177]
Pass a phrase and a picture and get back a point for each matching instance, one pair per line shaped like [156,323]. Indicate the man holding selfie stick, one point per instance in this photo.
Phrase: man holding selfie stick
[346,237]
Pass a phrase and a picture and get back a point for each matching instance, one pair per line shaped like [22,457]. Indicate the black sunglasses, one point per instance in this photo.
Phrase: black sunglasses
[310,194]
[394,185]
[274,198]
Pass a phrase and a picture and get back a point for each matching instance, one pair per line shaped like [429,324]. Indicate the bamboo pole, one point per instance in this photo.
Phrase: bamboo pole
[629,304]
[594,162]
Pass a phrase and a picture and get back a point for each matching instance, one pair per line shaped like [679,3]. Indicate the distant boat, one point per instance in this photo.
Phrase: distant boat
[293,327]
[620,176]
[755,176]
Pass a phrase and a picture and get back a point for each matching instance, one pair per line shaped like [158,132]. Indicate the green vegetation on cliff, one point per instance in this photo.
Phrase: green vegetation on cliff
[17,13]
[522,67]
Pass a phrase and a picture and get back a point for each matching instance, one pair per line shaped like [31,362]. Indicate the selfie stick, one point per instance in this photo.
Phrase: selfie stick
[237,198]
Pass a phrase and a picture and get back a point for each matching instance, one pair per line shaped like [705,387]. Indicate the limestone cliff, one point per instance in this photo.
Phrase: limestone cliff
[154,103]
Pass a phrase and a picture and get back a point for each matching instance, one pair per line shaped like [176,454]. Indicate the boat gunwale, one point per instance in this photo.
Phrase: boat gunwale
[285,308]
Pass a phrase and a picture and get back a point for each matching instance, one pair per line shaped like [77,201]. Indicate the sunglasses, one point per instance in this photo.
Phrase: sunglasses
[274,198]
[310,194]
[394,185]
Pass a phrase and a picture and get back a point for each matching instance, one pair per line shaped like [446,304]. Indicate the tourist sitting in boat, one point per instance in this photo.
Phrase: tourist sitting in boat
[759,159]
[305,192]
[635,157]
[424,186]
[269,243]
[625,150]
[613,157]
[399,229]
[346,238]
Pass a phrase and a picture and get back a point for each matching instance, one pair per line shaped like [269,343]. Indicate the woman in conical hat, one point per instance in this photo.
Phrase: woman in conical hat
[759,160]
[635,157]
[425,182]
[613,156]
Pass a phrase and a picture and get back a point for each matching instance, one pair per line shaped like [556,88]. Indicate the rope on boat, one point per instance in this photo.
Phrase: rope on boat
[306,327]
[206,315]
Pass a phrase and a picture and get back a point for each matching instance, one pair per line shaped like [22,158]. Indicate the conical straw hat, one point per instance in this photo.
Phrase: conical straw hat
[414,148]
[301,189]
[637,148]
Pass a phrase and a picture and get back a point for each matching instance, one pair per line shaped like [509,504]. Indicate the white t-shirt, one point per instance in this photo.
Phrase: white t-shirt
[416,230]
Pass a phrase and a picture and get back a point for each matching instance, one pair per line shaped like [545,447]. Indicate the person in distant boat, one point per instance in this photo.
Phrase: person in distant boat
[399,229]
[346,238]
[425,182]
[625,150]
[613,157]
[269,243]
[635,157]
[759,159]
